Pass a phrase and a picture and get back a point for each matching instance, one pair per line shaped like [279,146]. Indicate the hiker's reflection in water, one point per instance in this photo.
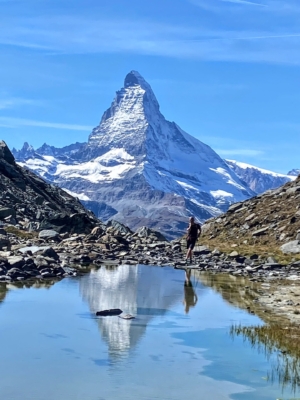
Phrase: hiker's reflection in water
[190,296]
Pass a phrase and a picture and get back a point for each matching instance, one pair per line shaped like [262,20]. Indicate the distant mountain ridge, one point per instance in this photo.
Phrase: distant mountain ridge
[257,179]
[141,169]
[294,172]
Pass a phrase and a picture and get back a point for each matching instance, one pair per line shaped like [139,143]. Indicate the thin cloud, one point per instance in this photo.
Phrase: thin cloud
[20,122]
[13,102]
[244,2]
[239,152]
[86,35]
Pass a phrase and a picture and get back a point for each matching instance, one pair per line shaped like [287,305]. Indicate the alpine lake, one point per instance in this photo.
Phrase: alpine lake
[192,337]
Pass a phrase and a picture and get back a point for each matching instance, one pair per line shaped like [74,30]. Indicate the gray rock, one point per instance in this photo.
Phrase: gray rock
[251,216]
[15,272]
[293,190]
[48,234]
[176,247]
[271,265]
[143,231]
[119,227]
[271,260]
[235,207]
[260,232]
[126,316]
[206,227]
[291,247]
[49,252]
[16,262]
[32,249]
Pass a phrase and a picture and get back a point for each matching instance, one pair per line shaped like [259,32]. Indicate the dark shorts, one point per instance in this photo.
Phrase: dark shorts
[190,243]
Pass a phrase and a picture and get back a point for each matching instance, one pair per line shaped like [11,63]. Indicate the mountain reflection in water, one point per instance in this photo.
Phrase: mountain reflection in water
[135,290]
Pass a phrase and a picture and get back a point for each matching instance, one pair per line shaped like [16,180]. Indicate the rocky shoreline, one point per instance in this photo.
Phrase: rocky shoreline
[49,255]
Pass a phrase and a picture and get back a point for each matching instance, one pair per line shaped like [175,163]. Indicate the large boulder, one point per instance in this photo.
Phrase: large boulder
[62,223]
[145,232]
[117,226]
[48,234]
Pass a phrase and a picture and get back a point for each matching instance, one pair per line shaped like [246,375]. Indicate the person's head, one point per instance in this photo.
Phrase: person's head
[192,220]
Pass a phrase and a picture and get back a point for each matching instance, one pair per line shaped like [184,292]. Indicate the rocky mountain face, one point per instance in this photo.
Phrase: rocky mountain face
[270,221]
[140,169]
[257,179]
[31,203]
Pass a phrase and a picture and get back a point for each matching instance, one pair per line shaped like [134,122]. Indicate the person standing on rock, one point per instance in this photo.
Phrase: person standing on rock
[193,233]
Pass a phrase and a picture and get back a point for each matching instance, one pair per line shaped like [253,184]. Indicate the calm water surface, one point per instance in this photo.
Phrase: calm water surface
[54,348]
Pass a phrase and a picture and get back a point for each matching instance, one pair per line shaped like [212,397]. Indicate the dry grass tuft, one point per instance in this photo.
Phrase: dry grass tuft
[20,233]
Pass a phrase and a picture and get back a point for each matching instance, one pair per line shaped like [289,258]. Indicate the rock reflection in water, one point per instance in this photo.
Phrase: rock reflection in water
[35,283]
[145,292]
[3,292]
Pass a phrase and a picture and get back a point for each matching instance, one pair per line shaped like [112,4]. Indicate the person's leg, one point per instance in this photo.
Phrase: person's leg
[192,245]
[189,253]
[188,246]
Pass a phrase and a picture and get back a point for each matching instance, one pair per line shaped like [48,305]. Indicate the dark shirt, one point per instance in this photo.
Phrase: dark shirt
[193,231]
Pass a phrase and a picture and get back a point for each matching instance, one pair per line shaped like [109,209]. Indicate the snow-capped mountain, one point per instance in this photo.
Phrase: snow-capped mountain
[294,172]
[141,169]
[257,179]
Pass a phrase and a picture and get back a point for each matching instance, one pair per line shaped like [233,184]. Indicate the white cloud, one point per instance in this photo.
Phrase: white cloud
[9,122]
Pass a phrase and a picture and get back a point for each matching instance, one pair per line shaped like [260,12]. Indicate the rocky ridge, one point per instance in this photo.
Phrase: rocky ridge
[271,220]
[257,179]
[30,203]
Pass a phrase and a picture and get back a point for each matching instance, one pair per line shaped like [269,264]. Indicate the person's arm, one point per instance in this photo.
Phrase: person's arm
[199,230]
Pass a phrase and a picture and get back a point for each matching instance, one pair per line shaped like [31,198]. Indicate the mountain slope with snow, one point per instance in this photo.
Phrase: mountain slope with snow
[257,179]
[294,172]
[140,168]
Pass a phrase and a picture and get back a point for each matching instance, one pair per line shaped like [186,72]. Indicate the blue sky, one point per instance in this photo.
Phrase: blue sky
[226,71]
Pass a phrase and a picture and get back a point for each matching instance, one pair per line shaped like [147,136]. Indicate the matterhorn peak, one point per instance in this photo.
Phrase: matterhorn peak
[134,78]
[143,170]
[126,123]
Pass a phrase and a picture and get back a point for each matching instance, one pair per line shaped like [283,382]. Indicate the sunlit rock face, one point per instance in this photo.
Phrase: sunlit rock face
[136,290]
